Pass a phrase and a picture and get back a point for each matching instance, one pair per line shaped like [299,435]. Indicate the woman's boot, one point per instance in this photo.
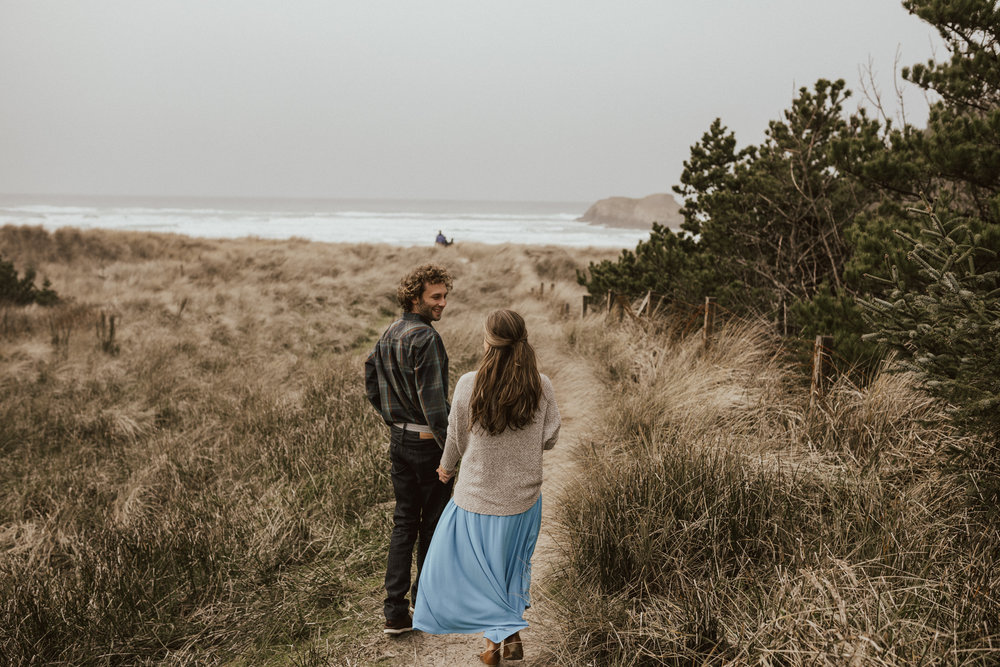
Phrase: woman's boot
[512,647]
[491,656]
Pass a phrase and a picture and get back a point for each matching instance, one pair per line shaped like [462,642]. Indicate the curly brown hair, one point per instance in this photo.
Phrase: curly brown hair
[412,285]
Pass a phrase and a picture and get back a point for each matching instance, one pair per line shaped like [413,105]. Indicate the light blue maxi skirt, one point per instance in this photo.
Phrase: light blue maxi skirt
[477,573]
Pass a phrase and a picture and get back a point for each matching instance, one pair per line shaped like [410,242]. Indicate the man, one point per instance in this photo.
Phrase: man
[441,240]
[406,378]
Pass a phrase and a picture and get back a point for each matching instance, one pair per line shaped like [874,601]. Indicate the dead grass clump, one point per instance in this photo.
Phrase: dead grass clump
[60,321]
[36,246]
[717,520]
[559,264]
[888,418]
[176,525]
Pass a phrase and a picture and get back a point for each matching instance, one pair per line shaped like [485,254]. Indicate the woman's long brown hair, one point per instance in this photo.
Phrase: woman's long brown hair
[507,388]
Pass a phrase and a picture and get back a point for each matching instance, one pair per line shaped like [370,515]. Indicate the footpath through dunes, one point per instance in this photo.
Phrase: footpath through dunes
[579,396]
[203,481]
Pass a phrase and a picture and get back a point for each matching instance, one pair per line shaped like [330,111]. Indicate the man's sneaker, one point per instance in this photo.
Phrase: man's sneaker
[398,626]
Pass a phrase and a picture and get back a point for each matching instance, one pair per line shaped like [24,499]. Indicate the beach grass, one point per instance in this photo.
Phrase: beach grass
[717,519]
[209,484]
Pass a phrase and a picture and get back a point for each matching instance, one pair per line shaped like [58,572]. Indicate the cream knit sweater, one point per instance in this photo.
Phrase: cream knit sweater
[501,474]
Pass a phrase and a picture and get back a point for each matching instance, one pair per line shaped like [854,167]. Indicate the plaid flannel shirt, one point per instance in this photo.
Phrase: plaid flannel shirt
[406,376]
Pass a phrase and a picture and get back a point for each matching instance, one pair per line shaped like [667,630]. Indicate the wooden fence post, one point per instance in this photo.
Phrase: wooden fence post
[623,306]
[821,364]
[586,303]
[645,303]
[106,332]
[541,289]
[709,329]
[615,308]
[659,304]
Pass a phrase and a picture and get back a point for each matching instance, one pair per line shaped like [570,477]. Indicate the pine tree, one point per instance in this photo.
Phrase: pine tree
[940,306]
[763,225]
[954,163]
[946,323]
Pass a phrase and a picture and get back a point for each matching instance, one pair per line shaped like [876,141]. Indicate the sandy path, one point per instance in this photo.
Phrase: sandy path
[576,393]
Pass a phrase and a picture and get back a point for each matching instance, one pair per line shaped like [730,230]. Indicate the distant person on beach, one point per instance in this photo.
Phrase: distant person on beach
[478,568]
[406,378]
[441,240]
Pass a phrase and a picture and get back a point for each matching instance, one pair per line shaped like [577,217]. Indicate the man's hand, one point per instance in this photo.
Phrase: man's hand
[444,475]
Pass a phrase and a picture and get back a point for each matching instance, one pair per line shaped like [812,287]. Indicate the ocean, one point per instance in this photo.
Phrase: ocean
[396,222]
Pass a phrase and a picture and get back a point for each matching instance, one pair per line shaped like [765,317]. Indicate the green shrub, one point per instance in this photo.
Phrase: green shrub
[21,291]
[836,313]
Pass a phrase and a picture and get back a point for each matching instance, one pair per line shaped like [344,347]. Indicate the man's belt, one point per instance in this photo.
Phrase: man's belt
[425,431]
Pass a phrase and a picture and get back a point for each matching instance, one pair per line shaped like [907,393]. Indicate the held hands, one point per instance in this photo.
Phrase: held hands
[444,475]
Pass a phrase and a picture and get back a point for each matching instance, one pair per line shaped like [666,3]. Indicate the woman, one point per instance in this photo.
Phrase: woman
[478,568]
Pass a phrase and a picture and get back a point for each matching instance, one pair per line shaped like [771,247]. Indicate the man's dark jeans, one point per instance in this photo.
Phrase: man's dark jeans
[420,499]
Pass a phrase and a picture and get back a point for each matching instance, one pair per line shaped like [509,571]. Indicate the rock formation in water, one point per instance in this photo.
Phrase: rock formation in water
[635,213]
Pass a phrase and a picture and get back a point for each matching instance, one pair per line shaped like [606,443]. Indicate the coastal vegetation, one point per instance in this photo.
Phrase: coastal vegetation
[219,470]
[213,486]
[717,518]
[824,226]
[215,490]
[728,520]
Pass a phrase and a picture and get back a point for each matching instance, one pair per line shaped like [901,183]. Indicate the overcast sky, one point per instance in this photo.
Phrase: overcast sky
[551,100]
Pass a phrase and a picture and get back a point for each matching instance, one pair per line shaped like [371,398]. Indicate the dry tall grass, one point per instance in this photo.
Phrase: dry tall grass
[717,520]
[212,485]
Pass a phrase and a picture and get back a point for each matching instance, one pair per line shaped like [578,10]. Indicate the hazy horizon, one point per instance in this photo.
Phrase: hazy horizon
[551,101]
[263,203]
[403,222]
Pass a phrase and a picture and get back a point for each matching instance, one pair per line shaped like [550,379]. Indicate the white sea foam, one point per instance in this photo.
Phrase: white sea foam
[416,225]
